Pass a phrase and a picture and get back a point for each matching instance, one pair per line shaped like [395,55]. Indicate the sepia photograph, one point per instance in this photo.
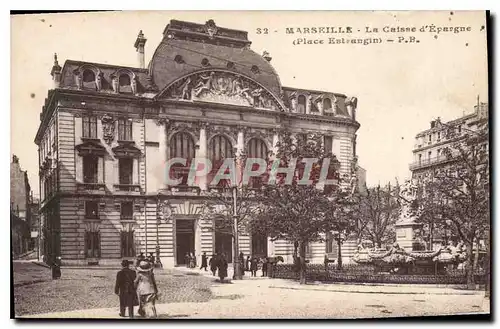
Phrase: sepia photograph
[179,165]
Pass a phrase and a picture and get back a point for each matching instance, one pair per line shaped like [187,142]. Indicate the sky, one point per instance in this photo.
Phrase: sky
[400,87]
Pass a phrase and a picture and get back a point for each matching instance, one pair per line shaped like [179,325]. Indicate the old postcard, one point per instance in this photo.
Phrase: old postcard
[250,165]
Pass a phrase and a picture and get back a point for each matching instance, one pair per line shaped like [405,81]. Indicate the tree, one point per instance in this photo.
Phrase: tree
[300,213]
[463,186]
[378,210]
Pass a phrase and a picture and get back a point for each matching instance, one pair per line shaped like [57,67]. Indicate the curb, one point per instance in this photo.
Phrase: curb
[470,293]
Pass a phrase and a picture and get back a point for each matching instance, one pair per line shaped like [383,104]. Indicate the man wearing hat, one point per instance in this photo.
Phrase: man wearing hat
[124,288]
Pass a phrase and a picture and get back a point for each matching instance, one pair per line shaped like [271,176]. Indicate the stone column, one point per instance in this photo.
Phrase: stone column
[240,147]
[162,139]
[275,142]
[202,154]
[135,171]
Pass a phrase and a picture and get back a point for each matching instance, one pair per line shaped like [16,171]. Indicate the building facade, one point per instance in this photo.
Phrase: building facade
[429,155]
[107,131]
[20,209]
[430,143]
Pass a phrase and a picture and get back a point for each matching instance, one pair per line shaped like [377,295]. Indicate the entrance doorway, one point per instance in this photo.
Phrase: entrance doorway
[184,239]
[224,245]
[259,245]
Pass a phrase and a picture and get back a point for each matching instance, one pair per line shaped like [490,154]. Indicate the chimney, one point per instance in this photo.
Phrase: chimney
[140,42]
[56,73]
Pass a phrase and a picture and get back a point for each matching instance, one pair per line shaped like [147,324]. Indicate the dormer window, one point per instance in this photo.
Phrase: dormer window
[255,69]
[89,81]
[301,106]
[327,104]
[205,62]
[125,83]
[178,59]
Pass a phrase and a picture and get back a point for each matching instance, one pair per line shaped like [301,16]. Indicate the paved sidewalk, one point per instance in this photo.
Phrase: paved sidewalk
[256,298]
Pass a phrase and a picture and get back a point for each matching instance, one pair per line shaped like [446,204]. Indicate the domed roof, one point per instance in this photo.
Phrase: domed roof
[188,47]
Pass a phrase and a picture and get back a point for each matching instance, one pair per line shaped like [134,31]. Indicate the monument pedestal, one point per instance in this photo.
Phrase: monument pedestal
[405,234]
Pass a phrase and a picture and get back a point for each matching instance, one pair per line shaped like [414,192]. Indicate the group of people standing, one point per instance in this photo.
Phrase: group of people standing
[137,287]
[218,264]
[251,264]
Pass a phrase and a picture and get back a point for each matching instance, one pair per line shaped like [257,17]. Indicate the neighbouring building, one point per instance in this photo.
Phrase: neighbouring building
[20,208]
[428,152]
[106,132]
[430,143]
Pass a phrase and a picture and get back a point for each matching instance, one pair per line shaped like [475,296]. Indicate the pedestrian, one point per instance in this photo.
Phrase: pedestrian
[265,263]
[151,259]
[147,291]
[241,260]
[139,259]
[192,260]
[222,267]
[204,261]
[124,287]
[247,264]
[213,264]
[253,266]
[186,259]
[56,268]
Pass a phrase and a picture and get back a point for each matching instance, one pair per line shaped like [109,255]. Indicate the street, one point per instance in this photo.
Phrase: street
[256,298]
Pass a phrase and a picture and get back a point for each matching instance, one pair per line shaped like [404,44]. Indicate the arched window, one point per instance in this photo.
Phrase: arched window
[181,146]
[125,83]
[301,104]
[327,104]
[220,148]
[257,148]
[88,80]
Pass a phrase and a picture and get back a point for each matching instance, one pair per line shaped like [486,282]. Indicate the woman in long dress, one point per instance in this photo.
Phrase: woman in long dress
[222,267]
[147,291]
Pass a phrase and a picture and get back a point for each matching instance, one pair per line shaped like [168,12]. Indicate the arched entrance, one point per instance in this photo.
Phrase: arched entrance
[259,245]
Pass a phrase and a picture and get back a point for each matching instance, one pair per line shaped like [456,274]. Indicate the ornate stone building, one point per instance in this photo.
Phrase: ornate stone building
[107,131]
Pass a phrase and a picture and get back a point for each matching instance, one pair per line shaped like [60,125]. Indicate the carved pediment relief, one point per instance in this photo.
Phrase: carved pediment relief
[91,148]
[222,87]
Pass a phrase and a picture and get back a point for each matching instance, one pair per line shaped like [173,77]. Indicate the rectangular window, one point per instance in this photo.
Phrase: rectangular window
[328,142]
[439,135]
[420,158]
[127,244]
[429,155]
[125,130]
[91,210]
[125,171]
[127,210]
[92,244]
[89,127]
[430,138]
[90,169]
[459,129]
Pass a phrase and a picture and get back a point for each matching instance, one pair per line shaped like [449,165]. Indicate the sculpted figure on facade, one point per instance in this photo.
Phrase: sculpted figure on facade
[78,79]
[204,83]
[114,83]
[108,128]
[98,81]
[133,85]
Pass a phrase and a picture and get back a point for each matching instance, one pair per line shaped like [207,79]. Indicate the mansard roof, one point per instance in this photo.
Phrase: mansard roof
[188,47]
[107,72]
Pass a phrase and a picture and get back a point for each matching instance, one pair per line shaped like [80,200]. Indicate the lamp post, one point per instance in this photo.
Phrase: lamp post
[236,261]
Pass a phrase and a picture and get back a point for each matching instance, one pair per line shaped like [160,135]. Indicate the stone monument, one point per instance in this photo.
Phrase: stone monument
[406,226]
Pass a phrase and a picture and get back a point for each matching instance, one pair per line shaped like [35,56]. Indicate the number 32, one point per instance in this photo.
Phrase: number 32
[262,31]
